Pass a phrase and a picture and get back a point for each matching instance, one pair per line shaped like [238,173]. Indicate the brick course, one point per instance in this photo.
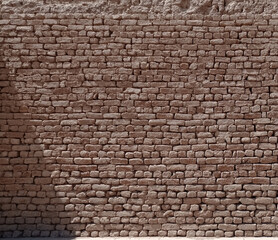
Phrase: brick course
[132,125]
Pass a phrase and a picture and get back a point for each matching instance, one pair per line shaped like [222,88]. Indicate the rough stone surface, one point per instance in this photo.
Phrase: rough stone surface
[207,7]
[138,124]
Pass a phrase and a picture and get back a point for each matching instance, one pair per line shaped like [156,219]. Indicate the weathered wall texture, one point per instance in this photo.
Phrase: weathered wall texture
[138,125]
[160,7]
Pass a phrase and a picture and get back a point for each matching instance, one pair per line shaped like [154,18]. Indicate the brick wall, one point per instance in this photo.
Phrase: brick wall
[137,125]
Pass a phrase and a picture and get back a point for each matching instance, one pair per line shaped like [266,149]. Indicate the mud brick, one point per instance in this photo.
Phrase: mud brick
[82,161]
[138,120]
[264,200]
[233,187]
[63,188]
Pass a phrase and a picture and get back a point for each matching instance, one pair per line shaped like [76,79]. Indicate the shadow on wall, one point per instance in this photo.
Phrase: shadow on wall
[29,204]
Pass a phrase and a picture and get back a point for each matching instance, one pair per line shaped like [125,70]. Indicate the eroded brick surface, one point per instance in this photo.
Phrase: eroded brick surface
[138,126]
